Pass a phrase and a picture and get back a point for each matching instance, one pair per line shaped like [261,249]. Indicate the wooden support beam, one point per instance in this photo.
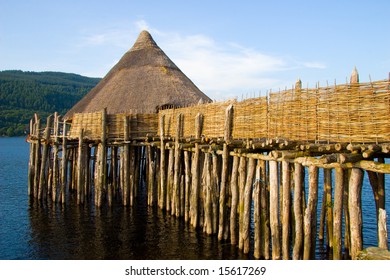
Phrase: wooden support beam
[241,206]
[80,169]
[355,211]
[257,211]
[247,205]
[42,190]
[329,206]
[298,188]
[286,207]
[274,209]
[235,196]
[337,213]
[64,163]
[382,230]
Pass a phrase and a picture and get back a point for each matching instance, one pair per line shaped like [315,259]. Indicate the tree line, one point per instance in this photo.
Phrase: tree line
[24,93]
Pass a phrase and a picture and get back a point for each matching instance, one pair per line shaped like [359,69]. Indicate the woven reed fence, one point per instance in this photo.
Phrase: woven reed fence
[355,113]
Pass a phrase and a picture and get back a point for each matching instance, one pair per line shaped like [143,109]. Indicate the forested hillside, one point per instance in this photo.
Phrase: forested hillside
[24,93]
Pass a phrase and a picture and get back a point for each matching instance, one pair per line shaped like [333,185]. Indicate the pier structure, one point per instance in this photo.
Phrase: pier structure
[234,169]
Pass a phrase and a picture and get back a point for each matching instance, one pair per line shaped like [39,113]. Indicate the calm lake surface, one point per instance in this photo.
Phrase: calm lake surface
[32,230]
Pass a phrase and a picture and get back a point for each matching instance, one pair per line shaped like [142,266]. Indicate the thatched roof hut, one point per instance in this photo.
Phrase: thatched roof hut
[143,81]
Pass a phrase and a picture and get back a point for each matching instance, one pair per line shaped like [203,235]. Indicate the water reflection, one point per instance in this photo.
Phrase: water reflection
[83,232]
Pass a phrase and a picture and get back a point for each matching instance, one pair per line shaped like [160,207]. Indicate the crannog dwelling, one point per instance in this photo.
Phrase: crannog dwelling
[234,169]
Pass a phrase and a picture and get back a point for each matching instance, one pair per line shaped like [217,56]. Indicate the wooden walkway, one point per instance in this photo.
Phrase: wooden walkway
[233,168]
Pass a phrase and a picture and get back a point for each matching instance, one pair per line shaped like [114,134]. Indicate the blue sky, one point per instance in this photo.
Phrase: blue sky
[228,48]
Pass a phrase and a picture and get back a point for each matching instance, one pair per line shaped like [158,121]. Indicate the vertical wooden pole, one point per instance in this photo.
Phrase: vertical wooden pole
[286,207]
[176,176]
[347,227]
[31,162]
[298,187]
[207,226]
[338,213]
[274,208]
[126,163]
[162,199]
[310,219]
[264,212]
[134,164]
[171,161]
[114,163]
[382,230]
[329,207]
[355,211]
[55,158]
[64,163]
[80,169]
[233,209]
[37,155]
[248,204]
[257,211]
[215,191]
[195,174]
[151,176]
[42,190]
[241,184]
[224,173]
[103,160]
[187,185]
[87,173]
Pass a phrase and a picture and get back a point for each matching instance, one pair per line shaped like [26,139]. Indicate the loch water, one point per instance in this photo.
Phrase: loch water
[34,230]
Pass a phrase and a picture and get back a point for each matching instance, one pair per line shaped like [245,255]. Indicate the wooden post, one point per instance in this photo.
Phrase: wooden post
[134,173]
[176,175]
[55,158]
[215,183]
[241,207]
[151,176]
[286,209]
[187,185]
[37,155]
[310,219]
[264,212]
[80,169]
[32,160]
[257,211]
[347,228]
[274,208]
[42,190]
[64,163]
[338,213]
[224,174]
[382,230]
[207,226]
[126,163]
[329,207]
[114,164]
[162,199]
[354,205]
[248,204]
[298,187]
[171,161]
[195,174]
[233,209]
[103,160]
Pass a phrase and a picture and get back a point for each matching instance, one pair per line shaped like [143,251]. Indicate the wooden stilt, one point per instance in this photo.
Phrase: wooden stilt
[298,186]
[32,160]
[206,178]
[329,206]
[264,215]
[382,230]
[126,163]
[195,174]
[162,198]
[42,190]
[187,186]
[247,205]
[114,164]
[134,174]
[274,209]
[286,207]
[337,213]
[64,163]
[347,227]
[241,186]
[235,194]
[55,158]
[152,195]
[37,156]
[310,219]
[170,172]
[215,183]
[80,169]
[176,173]
[256,212]
[355,211]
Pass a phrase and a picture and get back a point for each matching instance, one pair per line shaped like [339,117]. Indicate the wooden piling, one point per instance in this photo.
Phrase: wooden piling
[37,155]
[80,169]
[247,205]
[355,211]
[241,186]
[256,211]
[298,187]
[234,203]
[195,174]
[264,212]
[126,162]
[176,205]
[55,158]
[310,219]
[42,189]
[187,186]
[206,184]
[286,207]
[337,213]
[274,208]
[382,230]
[64,163]
[162,198]
[329,206]
[31,162]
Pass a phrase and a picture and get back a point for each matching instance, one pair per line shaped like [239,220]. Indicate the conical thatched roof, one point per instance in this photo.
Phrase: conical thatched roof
[144,80]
